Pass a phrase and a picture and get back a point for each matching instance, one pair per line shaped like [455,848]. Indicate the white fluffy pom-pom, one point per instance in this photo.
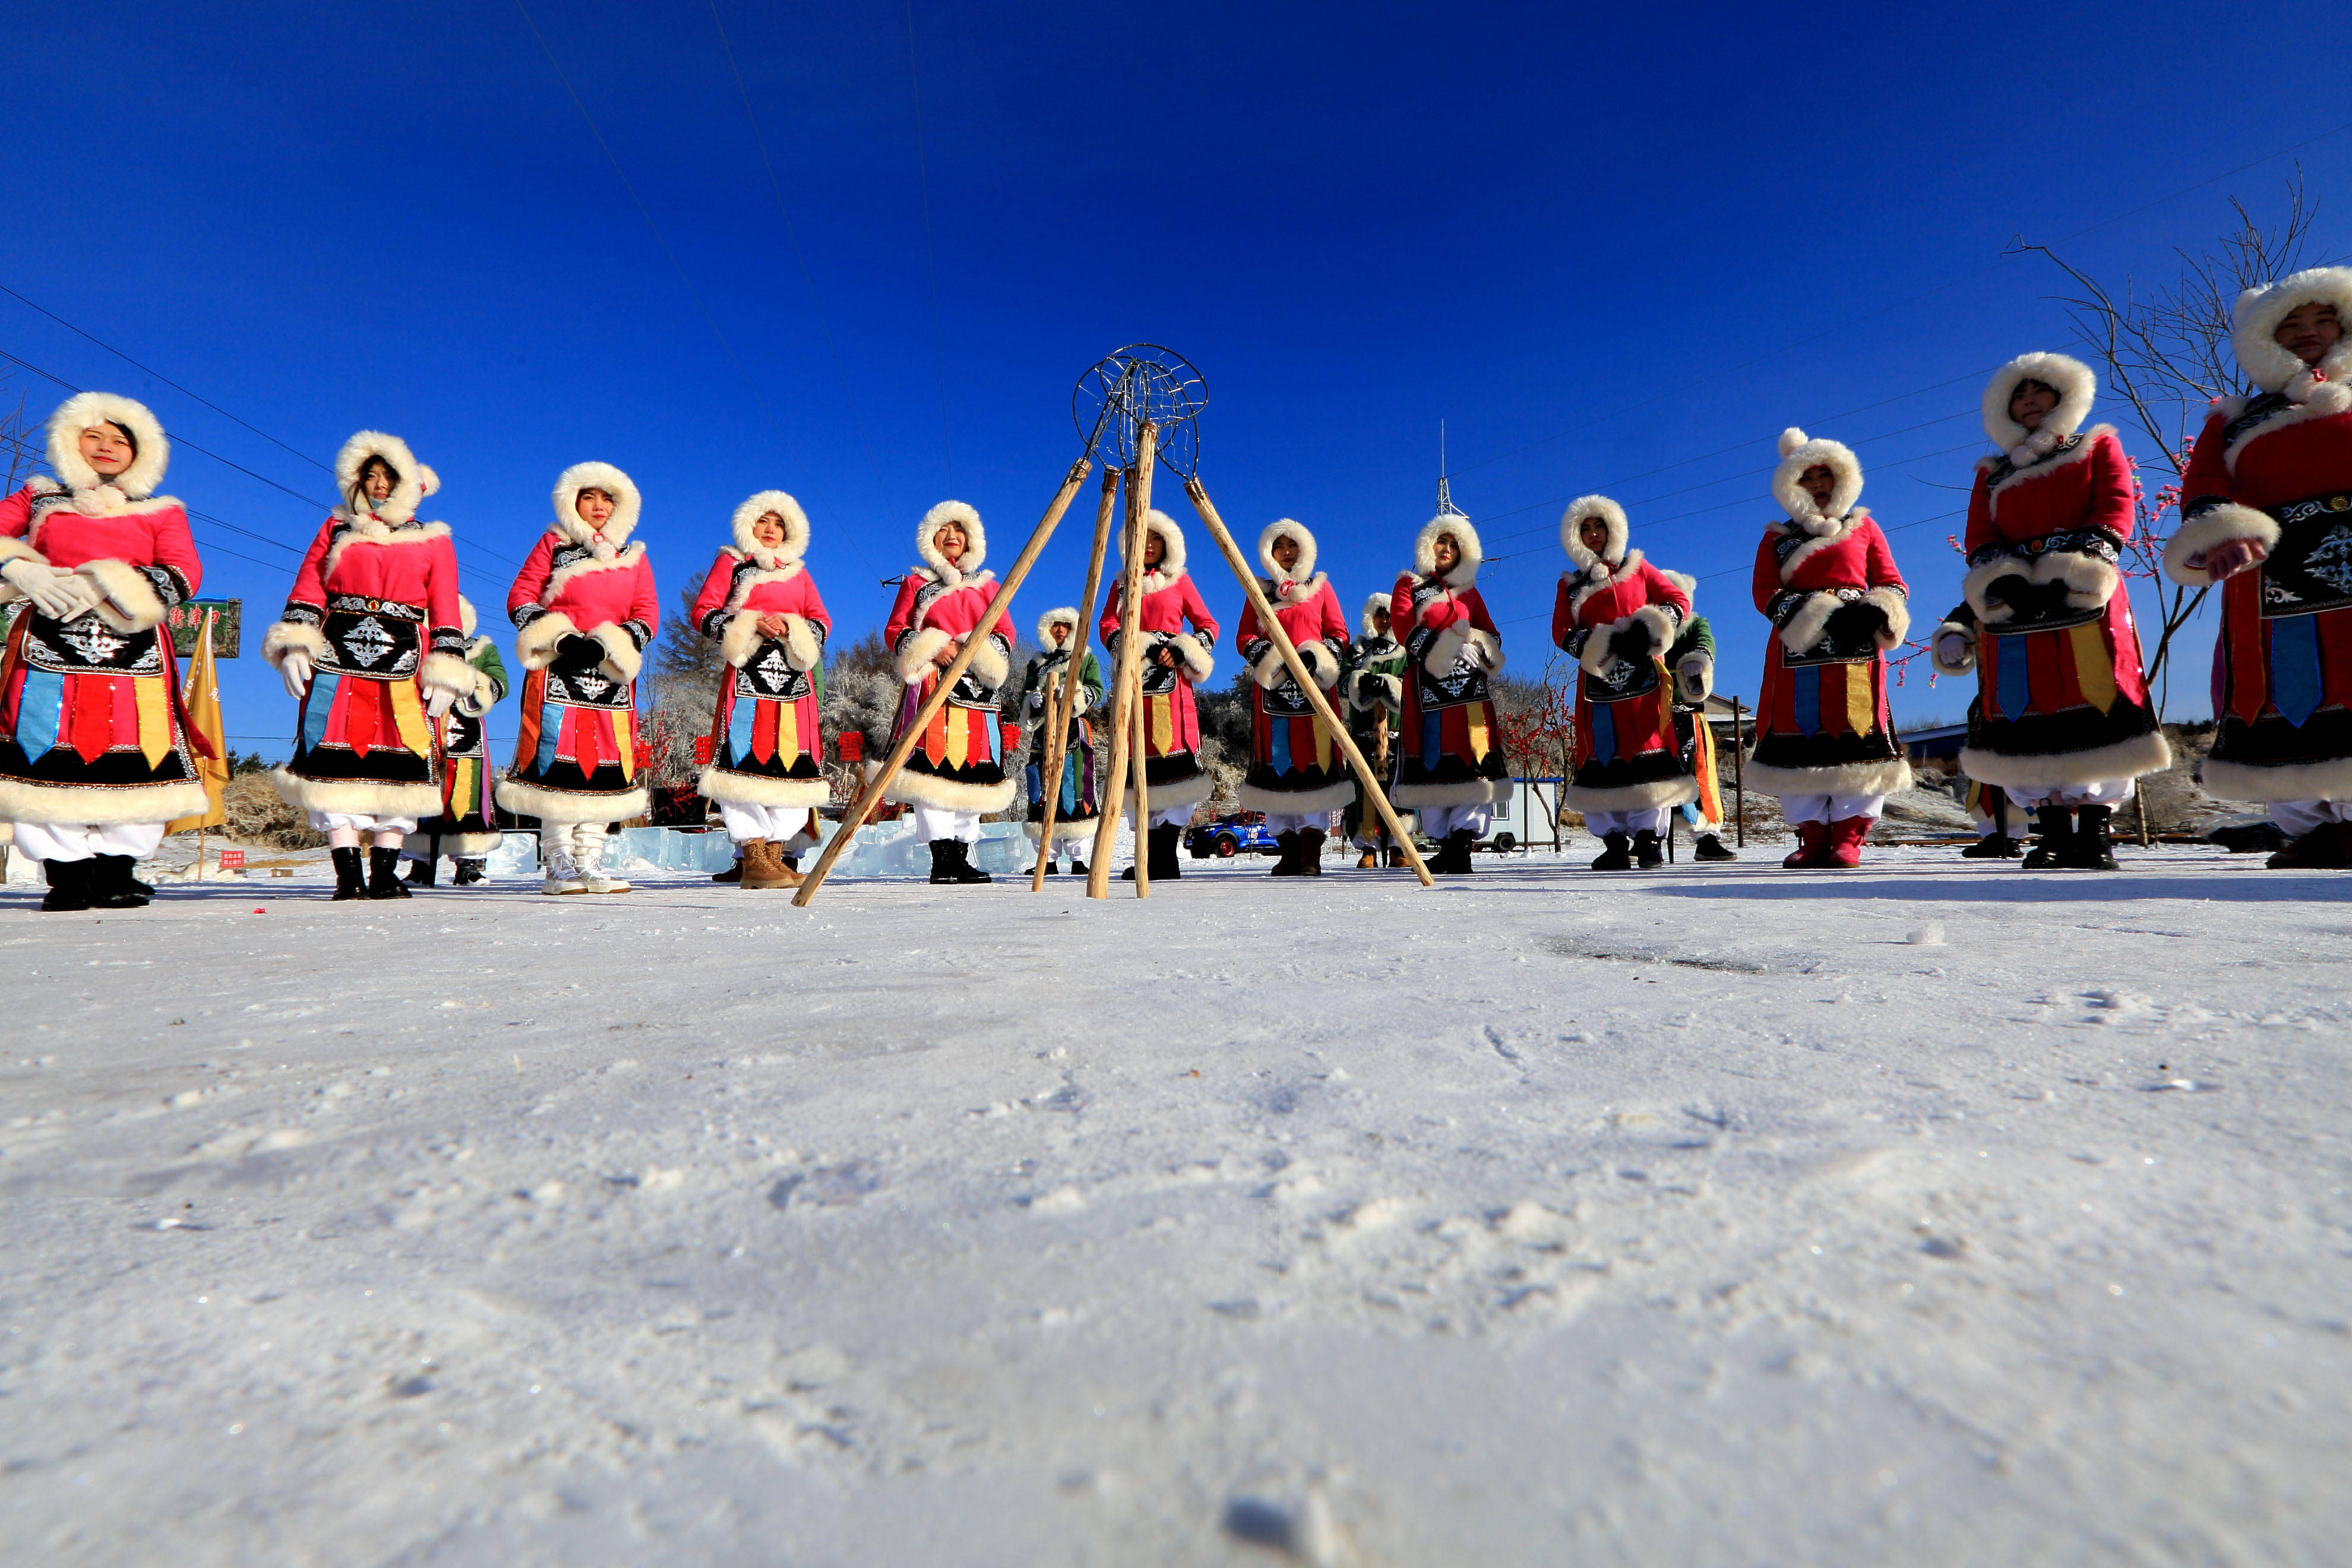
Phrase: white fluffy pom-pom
[1791,439]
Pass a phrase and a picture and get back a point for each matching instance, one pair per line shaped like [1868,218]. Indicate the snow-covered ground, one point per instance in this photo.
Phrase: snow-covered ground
[1929,1213]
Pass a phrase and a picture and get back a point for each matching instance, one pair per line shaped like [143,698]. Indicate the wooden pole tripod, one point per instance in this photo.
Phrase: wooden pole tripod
[1050,777]
[1127,682]
[846,828]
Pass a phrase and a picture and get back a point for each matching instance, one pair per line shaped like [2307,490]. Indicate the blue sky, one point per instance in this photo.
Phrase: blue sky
[1613,249]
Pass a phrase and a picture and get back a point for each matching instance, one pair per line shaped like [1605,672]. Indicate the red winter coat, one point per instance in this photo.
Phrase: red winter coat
[1626,756]
[1822,725]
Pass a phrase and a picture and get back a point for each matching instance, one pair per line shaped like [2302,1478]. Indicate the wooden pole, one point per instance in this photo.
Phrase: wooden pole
[1125,674]
[1739,773]
[1300,673]
[1061,736]
[846,828]
[1139,755]
[2139,802]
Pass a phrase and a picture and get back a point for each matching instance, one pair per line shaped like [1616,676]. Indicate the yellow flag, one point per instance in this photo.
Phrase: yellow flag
[200,695]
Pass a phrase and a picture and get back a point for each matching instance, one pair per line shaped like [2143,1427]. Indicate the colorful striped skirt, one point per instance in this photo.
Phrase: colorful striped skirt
[957,763]
[90,726]
[575,759]
[766,750]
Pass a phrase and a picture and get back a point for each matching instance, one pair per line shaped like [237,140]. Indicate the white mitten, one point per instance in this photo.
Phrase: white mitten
[295,670]
[58,594]
[438,700]
[1952,649]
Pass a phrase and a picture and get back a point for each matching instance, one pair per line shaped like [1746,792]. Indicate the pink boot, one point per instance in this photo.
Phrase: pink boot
[1844,847]
[1812,848]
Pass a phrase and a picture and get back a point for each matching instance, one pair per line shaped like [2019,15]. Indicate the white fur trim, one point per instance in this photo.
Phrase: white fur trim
[466,621]
[1292,803]
[1172,557]
[1897,608]
[1320,663]
[2184,554]
[365,797]
[563,805]
[1820,538]
[1061,616]
[131,604]
[1800,452]
[989,665]
[1973,588]
[602,558]
[446,672]
[460,846]
[796,529]
[1269,670]
[2126,759]
[292,636]
[1812,618]
[17,550]
[1364,617]
[483,694]
[2090,581]
[731,788]
[1466,538]
[2272,368]
[1961,664]
[1468,792]
[1592,579]
[407,477]
[975,548]
[366,529]
[915,654]
[802,647]
[1694,670]
[1596,659]
[622,660]
[137,482]
[535,645]
[1662,623]
[1631,798]
[1302,575]
[1197,659]
[1839,778]
[1593,568]
[911,788]
[1189,790]
[1066,830]
[2077,388]
[24,801]
[2329,780]
[741,639]
[626,504]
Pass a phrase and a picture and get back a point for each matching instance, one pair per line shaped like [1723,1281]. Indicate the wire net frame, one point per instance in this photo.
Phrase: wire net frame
[1143,381]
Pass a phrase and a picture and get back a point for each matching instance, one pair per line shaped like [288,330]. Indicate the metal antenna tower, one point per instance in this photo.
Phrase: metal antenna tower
[1445,507]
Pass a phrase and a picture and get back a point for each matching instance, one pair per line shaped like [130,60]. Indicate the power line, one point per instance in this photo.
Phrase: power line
[776,189]
[931,252]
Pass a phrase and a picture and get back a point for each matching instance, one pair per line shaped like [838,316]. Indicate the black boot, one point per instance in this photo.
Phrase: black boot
[1994,846]
[2053,839]
[68,884]
[1077,867]
[1165,867]
[421,872]
[350,881]
[1617,854]
[1310,852]
[2091,850]
[384,874]
[1646,851]
[112,885]
[1452,857]
[468,873]
[951,862]
[1053,869]
[1711,847]
[1289,865]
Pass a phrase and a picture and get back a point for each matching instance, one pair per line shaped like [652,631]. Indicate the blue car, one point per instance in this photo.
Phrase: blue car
[1235,833]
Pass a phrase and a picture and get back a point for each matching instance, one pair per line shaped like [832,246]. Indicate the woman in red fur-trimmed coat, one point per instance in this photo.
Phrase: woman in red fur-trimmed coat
[95,754]
[1615,613]
[957,773]
[583,609]
[759,604]
[1826,580]
[1450,764]
[2267,513]
[1298,776]
[1174,661]
[370,645]
[2062,721]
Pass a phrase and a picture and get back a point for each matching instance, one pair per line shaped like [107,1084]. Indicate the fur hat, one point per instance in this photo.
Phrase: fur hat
[1171,538]
[1800,452]
[595,477]
[2074,382]
[1364,617]
[408,477]
[1065,615]
[1465,539]
[85,409]
[1571,529]
[975,548]
[796,529]
[2275,369]
[1304,568]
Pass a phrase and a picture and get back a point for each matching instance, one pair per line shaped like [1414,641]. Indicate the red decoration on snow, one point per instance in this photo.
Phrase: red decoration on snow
[850,746]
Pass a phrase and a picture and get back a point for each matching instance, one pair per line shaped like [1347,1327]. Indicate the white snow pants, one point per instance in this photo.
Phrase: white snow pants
[2294,817]
[933,822]
[80,840]
[1439,821]
[1289,822]
[1601,823]
[2098,791]
[1830,807]
[1166,817]
[775,823]
[343,828]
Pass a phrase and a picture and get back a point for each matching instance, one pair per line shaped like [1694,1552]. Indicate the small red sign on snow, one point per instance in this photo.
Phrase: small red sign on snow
[702,750]
[232,860]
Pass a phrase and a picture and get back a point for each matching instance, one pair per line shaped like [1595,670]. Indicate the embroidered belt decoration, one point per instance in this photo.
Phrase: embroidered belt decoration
[88,646]
[376,639]
[2309,570]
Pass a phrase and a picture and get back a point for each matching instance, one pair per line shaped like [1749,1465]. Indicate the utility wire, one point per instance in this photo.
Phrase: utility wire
[931,252]
[776,189]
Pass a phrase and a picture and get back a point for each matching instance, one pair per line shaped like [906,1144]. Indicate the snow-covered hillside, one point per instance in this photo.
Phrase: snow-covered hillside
[1930,1214]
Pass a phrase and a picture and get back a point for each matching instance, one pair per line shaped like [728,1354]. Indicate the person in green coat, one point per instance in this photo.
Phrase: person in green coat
[1081,803]
[1373,684]
[1691,662]
[468,829]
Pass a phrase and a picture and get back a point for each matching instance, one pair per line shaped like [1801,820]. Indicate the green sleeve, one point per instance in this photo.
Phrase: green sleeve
[1697,637]
[489,664]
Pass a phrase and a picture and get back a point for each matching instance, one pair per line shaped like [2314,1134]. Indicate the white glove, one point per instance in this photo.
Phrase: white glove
[437,702]
[1952,649]
[1036,702]
[56,593]
[295,670]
